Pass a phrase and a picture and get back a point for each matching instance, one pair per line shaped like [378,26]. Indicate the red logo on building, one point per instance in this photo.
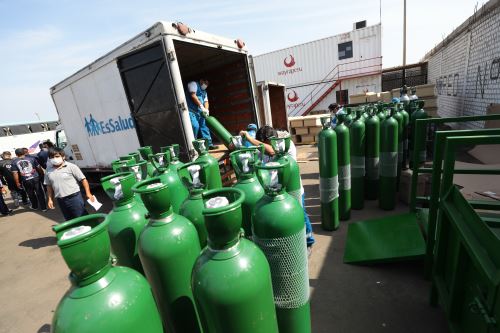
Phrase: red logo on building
[292,96]
[290,63]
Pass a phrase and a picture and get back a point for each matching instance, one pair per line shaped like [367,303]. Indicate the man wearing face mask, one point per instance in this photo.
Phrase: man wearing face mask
[197,101]
[62,180]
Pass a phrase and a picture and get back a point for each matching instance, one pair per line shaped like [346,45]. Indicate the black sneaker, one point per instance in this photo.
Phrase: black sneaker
[213,147]
[9,213]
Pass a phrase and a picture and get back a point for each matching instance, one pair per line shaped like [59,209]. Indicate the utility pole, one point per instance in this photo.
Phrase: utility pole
[404,43]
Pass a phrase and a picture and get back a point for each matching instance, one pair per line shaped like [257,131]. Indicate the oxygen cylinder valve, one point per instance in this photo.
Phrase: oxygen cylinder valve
[245,159]
[194,170]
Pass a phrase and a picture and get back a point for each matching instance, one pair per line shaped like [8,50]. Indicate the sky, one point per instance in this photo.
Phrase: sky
[44,41]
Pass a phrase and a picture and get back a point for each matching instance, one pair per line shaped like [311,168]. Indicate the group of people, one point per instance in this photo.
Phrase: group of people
[38,180]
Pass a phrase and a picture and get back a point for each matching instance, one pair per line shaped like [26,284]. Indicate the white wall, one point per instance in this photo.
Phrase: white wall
[467,70]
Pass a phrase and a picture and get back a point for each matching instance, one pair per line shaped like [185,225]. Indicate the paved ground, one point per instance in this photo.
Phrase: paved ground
[389,298]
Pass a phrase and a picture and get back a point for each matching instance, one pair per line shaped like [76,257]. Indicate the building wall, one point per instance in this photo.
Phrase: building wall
[313,67]
[467,70]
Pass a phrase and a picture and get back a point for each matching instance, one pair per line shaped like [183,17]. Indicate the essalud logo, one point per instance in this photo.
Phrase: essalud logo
[95,127]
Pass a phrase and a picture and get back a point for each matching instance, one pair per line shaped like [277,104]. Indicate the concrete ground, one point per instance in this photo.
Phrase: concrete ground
[344,298]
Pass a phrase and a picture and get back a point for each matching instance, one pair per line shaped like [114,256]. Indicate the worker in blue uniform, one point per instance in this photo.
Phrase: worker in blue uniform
[197,101]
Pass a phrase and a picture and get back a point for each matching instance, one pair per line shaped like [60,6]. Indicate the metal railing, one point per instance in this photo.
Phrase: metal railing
[343,71]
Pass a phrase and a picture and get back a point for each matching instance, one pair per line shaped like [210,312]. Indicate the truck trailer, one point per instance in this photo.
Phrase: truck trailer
[135,95]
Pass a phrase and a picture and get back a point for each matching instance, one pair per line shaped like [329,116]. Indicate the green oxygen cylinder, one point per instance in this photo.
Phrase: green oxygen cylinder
[220,131]
[279,231]
[231,279]
[195,180]
[419,113]
[243,162]
[168,248]
[344,168]
[388,162]
[213,173]
[357,137]
[126,220]
[145,152]
[406,123]
[399,118]
[349,117]
[281,147]
[372,127]
[174,150]
[381,111]
[328,176]
[161,162]
[102,298]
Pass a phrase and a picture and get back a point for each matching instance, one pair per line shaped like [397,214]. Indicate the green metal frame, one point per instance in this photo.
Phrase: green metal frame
[437,170]
[466,277]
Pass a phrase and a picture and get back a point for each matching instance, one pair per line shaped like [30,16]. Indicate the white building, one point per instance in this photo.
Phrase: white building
[465,66]
[326,70]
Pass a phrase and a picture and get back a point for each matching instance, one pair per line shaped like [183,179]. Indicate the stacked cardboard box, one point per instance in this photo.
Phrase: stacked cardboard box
[371,97]
[427,92]
[304,130]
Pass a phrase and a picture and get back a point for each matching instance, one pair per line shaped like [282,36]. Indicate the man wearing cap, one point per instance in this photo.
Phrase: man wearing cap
[27,172]
[197,101]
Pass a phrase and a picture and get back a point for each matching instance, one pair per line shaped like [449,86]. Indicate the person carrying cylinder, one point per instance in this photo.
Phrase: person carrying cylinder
[262,137]
[197,101]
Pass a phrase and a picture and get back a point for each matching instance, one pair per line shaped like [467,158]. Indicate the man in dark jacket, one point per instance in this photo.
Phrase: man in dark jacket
[18,195]
[27,171]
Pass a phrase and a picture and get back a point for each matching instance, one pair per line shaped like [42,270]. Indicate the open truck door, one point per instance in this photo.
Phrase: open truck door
[147,80]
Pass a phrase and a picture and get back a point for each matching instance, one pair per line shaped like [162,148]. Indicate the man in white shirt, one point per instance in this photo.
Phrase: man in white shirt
[197,101]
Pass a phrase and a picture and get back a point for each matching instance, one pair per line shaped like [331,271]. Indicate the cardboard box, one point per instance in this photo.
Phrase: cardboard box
[307,138]
[423,185]
[372,97]
[432,112]
[314,130]
[359,98]
[430,103]
[312,122]
[296,123]
[426,90]
[385,96]
[301,131]
[492,109]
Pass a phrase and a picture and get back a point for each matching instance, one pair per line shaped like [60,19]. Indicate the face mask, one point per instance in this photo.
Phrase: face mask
[203,86]
[45,149]
[56,160]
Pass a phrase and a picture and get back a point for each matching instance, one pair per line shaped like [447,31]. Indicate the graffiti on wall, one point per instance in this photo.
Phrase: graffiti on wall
[486,75]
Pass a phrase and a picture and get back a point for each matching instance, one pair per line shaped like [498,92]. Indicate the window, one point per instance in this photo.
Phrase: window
[345,50]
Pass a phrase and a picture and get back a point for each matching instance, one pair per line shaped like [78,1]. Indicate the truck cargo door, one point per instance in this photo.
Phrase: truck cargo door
[148,84]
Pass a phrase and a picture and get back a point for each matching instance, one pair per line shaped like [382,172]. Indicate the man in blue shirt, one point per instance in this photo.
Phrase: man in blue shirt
[197,101]
[27,171]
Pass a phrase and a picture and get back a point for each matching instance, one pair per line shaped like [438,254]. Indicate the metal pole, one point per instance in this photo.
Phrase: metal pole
[404,43]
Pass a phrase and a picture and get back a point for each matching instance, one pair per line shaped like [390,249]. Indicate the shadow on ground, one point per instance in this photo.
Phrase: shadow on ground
[44,329]
[37,243]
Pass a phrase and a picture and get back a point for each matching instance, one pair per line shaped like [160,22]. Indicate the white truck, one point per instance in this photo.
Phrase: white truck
[135,95]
